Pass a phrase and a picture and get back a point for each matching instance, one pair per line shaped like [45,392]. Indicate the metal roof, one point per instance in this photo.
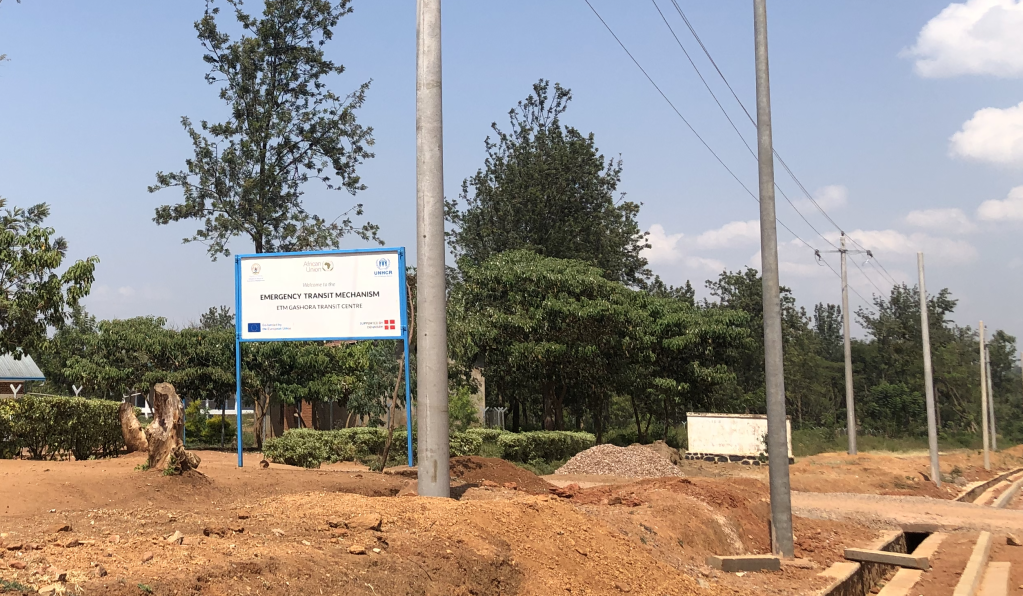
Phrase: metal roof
[19,370]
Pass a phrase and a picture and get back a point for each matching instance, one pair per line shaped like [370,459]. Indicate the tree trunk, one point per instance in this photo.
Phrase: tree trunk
[515,414]
[559,408]
[134,438]
[166,432]
[635,413]
[547,389]
[390,415]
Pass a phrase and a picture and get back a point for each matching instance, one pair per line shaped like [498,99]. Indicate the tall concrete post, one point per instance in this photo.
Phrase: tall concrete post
[925,331]
[777,439]
[850,403]
[990,400]
[983,399]
[431,332]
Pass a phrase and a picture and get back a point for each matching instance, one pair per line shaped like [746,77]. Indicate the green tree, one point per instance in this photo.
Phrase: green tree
[552,334]
[35,295]
[217,318]
[248,174]
[546,188]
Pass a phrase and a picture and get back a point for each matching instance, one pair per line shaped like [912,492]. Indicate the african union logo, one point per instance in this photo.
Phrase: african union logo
[328,266]
[383,267]
[256,269]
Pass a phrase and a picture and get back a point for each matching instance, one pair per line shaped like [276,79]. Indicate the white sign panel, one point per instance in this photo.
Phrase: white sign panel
[730,434]
[321,296]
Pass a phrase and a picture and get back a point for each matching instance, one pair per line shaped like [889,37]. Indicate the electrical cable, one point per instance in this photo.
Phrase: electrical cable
[706,145]
[785,166]
[734,127]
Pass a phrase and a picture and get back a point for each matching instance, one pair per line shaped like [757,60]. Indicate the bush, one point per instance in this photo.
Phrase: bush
[59,427]
[545,445]
[201,428]
[487,435]
[309,448]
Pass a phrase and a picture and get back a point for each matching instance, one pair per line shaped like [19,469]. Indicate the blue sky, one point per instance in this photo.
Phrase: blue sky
[904,119]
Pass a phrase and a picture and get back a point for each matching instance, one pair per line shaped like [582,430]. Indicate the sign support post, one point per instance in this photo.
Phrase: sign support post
[331,295]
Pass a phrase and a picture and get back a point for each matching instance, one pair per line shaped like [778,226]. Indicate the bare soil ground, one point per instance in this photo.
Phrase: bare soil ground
[286,530]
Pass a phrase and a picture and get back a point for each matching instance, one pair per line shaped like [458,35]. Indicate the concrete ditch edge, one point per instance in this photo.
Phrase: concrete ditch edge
[856,579]
[969,581]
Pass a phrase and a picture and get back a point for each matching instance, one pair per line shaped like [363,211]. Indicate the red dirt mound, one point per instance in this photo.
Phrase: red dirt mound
[477,470]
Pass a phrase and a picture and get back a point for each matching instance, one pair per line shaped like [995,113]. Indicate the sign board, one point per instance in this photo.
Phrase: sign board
[322,296]
[730,434]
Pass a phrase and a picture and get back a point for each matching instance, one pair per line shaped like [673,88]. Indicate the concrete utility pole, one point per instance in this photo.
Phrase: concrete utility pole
[850,403]
[925,331]
[990,400]
[777,439]
[983,400]
[432,332]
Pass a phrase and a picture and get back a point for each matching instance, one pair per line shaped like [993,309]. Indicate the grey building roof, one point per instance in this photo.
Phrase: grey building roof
[19,370]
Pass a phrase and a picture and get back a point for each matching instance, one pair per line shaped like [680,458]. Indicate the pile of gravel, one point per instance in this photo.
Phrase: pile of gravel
[610,460]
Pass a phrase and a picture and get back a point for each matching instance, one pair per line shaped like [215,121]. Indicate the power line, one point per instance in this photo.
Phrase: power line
[791,174]
[734,127]
[817,253]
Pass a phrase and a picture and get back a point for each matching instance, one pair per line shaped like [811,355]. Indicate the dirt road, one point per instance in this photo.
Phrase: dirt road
[879,510]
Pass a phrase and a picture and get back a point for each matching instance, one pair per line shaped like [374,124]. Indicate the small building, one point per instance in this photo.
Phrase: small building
[15,374]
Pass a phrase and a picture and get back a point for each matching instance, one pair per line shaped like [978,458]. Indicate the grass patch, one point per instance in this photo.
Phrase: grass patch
[811,441]
[13,586]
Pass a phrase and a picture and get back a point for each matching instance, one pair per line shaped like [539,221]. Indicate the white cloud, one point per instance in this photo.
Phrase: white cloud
[663,247]
[974,37]
[950,220]
[834,196]
[886,244]
[731,235]
[1011,209]
[993,135]
[667,249]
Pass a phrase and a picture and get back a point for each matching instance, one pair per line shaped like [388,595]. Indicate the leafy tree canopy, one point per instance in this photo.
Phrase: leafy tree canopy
[34,294]
[247,174]
[545,187]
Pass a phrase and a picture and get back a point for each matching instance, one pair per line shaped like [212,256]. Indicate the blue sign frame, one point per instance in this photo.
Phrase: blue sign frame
[238,341]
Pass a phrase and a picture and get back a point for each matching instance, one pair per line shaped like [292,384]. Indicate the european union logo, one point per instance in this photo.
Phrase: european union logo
[254,328]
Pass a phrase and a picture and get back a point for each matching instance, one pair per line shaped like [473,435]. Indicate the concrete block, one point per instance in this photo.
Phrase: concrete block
[887,558]
[901,583]
[996,580]
[745,563]
[969,581]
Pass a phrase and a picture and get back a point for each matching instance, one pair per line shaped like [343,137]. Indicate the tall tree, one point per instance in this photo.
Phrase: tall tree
[248,174]
[34,295]
[545,187]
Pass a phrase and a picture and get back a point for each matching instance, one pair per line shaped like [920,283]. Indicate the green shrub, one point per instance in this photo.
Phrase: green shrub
[309,448]
[201,428]
[487,435]
[549,446]
[59,427]
[298,447]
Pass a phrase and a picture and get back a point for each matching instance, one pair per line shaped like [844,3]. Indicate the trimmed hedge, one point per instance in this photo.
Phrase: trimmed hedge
[310,448]
[545,445]
[58,427]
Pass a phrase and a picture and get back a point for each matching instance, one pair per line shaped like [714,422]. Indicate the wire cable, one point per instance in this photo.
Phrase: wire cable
[785,166]
[734,127]
[820,259]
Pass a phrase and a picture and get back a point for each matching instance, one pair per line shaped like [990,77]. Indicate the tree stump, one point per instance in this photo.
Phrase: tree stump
[134,438]
[166,432]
